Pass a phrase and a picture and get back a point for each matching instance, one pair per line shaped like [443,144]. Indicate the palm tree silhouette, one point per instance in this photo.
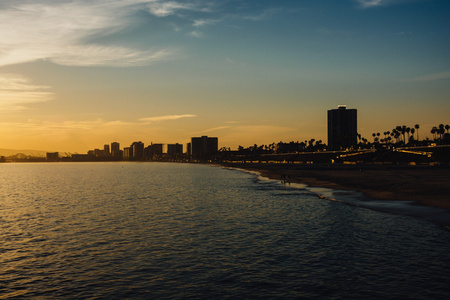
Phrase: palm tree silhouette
[417,128]
[441,130]
[434,131]
[403,131]
[408,130]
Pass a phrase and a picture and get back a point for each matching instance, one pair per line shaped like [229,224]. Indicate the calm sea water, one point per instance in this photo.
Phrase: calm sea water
[160,230]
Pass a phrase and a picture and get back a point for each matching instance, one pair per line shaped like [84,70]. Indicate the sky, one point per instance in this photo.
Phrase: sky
[75,75]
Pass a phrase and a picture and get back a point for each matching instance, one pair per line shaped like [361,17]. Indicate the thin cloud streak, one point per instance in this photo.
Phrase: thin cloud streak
[264,15]
[196,33]
[40,125]
[203,22]
[16,91]
[164,9]
[90,124]
[429,77]
[166,118]
[370,3]
[111,56]
[212,129]
[378,3]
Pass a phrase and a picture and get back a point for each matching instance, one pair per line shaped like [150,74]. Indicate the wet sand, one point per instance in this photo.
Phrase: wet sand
[425,185]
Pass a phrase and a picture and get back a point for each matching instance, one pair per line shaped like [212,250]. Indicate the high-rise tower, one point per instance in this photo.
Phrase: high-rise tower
[342,128]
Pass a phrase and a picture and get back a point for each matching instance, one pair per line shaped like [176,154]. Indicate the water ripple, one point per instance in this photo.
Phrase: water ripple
[126,230]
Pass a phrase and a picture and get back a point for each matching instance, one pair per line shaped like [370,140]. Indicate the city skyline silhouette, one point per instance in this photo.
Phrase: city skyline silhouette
[251,73]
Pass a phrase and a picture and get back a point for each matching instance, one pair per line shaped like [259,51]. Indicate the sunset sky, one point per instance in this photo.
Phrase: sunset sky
[75,75]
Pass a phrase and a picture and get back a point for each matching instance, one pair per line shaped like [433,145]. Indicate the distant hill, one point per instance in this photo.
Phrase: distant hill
[9,152]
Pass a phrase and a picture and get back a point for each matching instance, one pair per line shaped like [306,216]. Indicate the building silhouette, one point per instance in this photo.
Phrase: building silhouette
[189,149]
[52,156]
[153,151]
[98,153]
[203,147]
[138,150]
[157,149]
[342,128]
[106,151]
[115,150]
[128,153]
[174,149]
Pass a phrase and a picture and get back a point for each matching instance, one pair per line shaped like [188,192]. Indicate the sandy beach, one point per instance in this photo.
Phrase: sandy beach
[426,185]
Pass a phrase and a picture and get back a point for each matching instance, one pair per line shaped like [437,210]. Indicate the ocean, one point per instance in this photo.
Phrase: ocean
[124,230]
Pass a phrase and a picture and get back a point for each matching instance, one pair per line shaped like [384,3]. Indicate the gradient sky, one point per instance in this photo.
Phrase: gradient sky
[75,75]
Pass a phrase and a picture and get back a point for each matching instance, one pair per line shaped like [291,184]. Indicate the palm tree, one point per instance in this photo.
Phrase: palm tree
[397,136]
[447,127]
[398,130]
[417,128]
[403,131]
[441,130]
[408,130]
[434,131]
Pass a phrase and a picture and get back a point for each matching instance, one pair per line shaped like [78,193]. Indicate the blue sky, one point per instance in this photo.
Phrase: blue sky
[76,75]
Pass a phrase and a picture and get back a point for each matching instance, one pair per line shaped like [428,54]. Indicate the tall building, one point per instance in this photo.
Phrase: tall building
[174,149]
[202,147]
[106,150]
[116,153]
[138,150]
[342,128]
[127,153]
[157,149]
[153,151]
[115,148]
[189,149]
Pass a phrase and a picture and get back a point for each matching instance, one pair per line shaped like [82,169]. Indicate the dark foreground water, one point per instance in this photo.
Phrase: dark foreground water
[156,230]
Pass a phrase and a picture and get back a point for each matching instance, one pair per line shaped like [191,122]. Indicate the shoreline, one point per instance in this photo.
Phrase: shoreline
[420,191]
[425,185]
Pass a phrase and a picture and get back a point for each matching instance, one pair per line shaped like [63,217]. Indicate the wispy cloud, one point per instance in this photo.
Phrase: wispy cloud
[166,118]
[429,77]
[60,31]
[69,32]
[328,31]
[212,129]
[377,3]
[67,126]
[264,15]
[17,91]
[263,129]
[196,33]
[166,8]
[93,124]
[111,56]
[370,3]
[204,22]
